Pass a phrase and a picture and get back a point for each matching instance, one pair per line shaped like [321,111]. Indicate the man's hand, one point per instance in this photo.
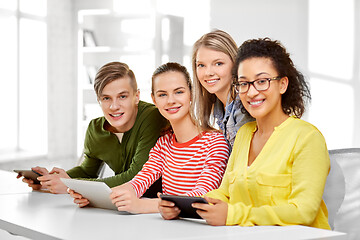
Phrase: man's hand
[52,181]
[78,198]
[29,182]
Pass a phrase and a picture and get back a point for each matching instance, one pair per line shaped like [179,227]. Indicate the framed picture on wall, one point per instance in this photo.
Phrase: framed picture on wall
[91,73]
[89,38]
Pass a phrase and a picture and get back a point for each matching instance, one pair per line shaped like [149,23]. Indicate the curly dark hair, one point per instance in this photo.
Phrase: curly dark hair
[293,101]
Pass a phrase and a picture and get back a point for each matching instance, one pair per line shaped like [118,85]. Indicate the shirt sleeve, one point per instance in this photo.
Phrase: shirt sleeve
[215,164]
[150,132]
[89,167]
[310,168]
[151,171]
[222,192]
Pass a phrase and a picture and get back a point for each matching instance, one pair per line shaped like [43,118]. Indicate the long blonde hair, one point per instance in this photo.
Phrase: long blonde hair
[217,40]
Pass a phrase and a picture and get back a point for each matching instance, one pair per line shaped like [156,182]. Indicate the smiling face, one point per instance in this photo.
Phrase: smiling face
[213,69]
[171,95]
[262,104]
[118,101]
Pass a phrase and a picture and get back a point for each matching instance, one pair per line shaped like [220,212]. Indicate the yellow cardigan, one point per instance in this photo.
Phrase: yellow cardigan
[285,183]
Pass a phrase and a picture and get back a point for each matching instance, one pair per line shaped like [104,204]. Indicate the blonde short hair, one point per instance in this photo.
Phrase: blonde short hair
[111,72]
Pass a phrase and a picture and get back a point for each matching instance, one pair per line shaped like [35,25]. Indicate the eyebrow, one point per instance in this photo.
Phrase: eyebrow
[215,60]
[257,75]
[262,73]
[179,88]
[120,93]
[161,91]
[218,59]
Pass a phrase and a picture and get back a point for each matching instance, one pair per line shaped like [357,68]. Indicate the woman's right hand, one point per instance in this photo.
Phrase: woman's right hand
[78,198]
[168,210]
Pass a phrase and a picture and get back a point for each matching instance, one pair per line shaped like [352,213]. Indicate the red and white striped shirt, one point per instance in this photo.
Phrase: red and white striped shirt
[192,168]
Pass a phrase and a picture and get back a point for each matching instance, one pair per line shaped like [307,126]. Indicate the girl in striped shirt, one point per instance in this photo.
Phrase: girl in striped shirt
[190,159]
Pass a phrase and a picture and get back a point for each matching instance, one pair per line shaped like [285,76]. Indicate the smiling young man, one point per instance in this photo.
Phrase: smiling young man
[122,138]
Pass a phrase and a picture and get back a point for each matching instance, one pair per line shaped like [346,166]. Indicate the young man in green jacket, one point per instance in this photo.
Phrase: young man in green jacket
[122,138]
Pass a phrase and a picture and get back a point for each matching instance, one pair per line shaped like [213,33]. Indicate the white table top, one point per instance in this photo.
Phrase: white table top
[9,184]
[40,215]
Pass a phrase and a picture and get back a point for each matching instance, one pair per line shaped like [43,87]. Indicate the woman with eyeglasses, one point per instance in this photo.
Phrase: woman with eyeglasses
[279,164]
[212,60]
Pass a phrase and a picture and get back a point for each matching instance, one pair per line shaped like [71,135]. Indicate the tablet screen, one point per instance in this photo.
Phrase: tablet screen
[184,204]
[96,192]
[30,174]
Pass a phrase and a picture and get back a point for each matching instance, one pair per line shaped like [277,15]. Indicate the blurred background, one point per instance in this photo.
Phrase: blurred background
[51,50]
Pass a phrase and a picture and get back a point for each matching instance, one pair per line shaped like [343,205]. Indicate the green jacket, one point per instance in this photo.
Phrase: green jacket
[126,158]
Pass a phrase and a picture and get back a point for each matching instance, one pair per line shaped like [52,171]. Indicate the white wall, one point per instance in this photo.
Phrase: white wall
[357,73]
[62,83]
[278,19]
[335,106]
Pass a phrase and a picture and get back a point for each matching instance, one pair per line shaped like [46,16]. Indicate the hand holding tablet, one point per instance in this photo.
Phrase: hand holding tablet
[29,174]
[184,204]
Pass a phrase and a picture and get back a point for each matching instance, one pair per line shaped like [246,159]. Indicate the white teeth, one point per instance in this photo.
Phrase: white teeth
[117,115]
[257,102]
[211,81]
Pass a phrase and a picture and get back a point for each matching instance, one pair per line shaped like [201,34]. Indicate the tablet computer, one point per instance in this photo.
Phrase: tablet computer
[184,204]
[96,192]
[29,174]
